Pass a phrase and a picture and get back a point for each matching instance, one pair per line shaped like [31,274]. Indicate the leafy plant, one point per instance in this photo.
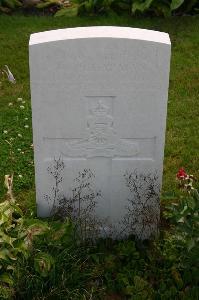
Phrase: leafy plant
[43,263]
[103,7]
[16,237]
[47,253]
[94,7]
[140,290]
[184,215]
[141,6]
[47,3]
[68,8]
[175,4]
[163,7]
[70,11]
[7,6]
[185,212]
[47,6]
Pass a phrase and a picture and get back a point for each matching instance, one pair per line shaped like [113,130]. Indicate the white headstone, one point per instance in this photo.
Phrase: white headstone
[99,103]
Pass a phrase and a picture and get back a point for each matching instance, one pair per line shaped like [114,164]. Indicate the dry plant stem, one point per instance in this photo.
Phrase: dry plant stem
[55,171]
[9,185]
[142,211]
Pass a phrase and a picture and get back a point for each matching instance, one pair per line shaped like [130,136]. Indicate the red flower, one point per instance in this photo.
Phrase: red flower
[181,174]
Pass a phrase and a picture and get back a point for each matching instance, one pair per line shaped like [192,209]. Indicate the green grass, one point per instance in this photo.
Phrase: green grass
[111,270]
[182,141]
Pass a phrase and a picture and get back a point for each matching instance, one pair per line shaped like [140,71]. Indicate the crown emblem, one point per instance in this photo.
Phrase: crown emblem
[100,108]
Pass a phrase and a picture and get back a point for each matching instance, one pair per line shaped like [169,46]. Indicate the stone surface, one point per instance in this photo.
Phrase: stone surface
[99,103]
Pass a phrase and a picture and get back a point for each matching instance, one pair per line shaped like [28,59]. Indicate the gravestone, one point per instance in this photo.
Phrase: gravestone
[99,103]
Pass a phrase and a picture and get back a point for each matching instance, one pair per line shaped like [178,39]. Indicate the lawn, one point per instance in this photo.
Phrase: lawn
[182,149]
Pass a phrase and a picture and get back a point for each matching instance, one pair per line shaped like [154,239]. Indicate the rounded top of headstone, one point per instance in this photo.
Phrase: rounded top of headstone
[99,32]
